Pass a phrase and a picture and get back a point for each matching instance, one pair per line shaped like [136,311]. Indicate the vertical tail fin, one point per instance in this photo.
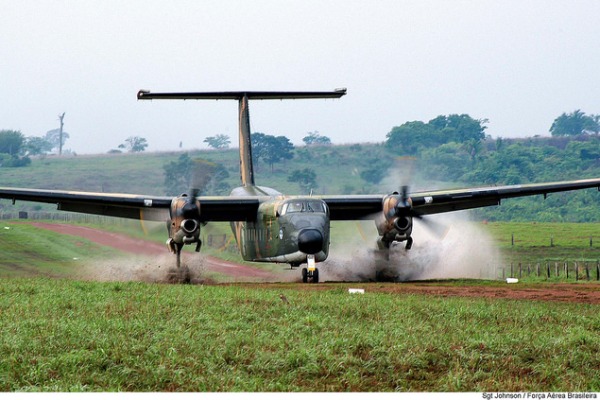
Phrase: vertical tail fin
[246,166]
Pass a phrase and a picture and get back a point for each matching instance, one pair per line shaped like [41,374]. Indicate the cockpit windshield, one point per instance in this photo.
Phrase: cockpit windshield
[304,206]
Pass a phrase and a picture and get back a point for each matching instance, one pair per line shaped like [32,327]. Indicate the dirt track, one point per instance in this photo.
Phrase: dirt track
[131,245]
[577,292]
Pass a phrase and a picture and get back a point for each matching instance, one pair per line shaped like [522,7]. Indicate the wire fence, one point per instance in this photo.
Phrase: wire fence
[576,270]
[66,217]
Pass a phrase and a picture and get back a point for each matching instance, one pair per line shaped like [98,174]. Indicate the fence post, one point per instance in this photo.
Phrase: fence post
[576,271]
[548,269]
[556,269]
[537,267]
[567,269]
[587,271]
[520,270]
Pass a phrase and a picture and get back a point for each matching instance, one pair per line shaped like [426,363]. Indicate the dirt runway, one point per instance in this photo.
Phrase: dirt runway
[561,292]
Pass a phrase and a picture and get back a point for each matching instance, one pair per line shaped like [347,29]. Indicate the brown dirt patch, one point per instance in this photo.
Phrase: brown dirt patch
[588,293]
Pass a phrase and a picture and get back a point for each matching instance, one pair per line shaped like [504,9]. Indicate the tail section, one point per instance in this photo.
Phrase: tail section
[246,167]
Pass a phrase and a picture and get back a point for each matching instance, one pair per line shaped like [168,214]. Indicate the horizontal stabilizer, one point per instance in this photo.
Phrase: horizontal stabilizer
[147,95]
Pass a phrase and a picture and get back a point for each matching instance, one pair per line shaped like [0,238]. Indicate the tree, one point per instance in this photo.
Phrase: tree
[187,173]
[313,138]
[218,141]
[377,170]
[178,175]
[53,137]
[37,146]
[11,142]
[277,149]
[259,145]
[575,123]
[305,178]
[412,137]
[271,149]
[61,118]
[459,128]
[134,144]
[11,148]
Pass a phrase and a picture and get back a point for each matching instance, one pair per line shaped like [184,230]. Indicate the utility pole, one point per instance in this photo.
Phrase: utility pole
[60,135]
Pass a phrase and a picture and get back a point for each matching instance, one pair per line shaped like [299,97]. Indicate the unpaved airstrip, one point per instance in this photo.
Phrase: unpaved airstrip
[154,254]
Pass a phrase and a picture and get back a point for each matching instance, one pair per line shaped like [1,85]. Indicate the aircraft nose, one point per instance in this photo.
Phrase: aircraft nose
[310,241]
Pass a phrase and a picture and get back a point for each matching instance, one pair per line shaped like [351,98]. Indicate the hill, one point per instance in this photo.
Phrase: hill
[353,169]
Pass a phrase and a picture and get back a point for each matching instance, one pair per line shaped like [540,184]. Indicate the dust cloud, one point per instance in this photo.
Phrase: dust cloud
[466,250]
[155,269]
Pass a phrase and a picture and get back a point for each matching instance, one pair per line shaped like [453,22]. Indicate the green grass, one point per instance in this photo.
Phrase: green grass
[29,251]
[543,235]
[61,335]
[69,335]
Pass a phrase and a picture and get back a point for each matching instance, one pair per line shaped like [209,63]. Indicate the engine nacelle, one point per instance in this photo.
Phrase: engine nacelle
[184,226]
[396,221]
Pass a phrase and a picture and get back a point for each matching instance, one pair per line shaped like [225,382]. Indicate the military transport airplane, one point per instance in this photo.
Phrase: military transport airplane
[271,227]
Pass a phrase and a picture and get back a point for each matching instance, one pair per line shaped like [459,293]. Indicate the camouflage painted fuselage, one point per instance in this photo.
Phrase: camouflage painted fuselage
[286,229]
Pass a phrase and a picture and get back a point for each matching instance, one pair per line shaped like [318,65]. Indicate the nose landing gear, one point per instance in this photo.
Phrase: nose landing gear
[310,274]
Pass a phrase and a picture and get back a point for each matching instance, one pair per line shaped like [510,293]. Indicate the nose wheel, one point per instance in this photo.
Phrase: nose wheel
[310,274]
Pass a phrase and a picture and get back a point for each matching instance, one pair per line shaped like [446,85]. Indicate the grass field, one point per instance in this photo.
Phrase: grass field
[67,335]
[60,335]
[527,243]
[28,251]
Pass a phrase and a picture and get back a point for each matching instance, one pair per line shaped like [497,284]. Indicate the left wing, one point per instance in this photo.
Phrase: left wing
[153,208]
[441,201]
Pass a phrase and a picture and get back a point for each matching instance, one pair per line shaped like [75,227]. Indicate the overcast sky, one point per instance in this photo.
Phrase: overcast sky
[519,64]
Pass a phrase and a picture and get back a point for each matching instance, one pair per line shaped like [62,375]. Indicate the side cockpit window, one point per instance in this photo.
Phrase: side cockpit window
[315,206]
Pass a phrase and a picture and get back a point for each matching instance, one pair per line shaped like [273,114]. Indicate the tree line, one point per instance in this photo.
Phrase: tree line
[452,150]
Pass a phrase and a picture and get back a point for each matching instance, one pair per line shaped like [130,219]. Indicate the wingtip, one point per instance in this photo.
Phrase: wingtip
[142,93]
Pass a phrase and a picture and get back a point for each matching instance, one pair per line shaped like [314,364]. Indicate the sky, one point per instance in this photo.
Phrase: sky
[518,64]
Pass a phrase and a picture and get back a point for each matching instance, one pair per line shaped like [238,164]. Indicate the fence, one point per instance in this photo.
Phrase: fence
[64,217]
[576,270]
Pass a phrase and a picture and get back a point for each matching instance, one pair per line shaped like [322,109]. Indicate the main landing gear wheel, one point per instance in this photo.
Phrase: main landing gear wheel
[310,276]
